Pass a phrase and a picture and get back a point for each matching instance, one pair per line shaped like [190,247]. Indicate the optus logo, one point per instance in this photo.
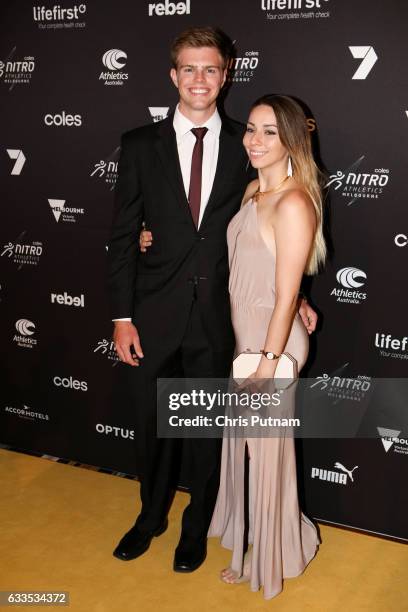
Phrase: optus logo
[63,119]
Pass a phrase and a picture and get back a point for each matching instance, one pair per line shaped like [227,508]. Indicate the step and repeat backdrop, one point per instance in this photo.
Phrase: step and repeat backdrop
[73,77]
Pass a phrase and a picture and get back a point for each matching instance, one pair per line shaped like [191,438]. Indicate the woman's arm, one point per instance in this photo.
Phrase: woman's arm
[293,224]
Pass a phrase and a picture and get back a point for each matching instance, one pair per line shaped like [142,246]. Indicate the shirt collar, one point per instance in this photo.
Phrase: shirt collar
[182,125]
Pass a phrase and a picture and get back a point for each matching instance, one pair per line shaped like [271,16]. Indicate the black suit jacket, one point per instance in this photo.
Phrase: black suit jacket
[156,288]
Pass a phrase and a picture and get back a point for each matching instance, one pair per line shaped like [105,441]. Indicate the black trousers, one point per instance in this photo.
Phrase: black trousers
[158,459]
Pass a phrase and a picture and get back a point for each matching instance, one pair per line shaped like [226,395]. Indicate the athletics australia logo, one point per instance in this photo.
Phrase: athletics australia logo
[351,279]
[107,348]
[337,477]
[107,169]
[390,438]
[355,185]
[111,60]
[25,329]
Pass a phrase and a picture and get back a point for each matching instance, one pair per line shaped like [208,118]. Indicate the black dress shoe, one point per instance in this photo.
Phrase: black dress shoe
[134,543]
[189,559]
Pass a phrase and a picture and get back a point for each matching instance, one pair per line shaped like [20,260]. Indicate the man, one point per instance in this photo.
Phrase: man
[184,177]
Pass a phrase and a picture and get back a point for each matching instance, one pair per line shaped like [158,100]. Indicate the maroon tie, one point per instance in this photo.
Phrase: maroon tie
[194,194]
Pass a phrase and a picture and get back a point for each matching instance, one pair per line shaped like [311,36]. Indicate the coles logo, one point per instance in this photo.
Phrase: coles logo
[63,119]
[70,383]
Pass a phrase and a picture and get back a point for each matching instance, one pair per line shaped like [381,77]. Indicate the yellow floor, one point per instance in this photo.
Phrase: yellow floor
[60,523]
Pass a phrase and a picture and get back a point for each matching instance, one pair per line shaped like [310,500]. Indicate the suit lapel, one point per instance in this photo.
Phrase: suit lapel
[166,146]
[227,152]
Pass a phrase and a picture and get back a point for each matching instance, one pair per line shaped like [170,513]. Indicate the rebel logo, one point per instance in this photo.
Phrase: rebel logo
[170,8]
[68,300]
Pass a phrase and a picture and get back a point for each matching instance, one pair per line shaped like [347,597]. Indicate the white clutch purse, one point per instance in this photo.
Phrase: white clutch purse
[246,364]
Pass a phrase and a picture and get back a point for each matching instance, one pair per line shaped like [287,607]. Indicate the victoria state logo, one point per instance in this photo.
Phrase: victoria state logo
[158,113]
[355,185]
[25,329]
[112,60]
[60,211]
[350,279]
[390,439]
[341,476]
[107,169]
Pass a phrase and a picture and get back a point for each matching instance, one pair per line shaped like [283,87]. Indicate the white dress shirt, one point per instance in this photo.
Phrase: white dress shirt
[185,144]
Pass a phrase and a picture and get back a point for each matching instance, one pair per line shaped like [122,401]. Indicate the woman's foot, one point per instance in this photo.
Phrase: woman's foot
[230,576]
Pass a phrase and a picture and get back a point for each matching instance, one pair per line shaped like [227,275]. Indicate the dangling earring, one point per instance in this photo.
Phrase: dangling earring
[290,169]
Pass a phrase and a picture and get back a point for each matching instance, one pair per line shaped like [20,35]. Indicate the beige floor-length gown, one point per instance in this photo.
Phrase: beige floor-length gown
[283,539]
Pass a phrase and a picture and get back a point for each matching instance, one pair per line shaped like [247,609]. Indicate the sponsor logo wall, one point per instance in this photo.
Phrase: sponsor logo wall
[72,84]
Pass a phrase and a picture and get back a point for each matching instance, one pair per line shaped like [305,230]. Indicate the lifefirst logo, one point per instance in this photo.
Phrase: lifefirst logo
[56,13]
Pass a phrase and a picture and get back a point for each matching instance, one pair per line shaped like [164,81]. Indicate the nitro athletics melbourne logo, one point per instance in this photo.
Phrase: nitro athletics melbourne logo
[295,9]
[355,185]
[107,169]
[23,254]
[242,69]
[15,71]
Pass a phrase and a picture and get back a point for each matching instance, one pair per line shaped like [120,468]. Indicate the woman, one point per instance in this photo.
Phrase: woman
[274,239]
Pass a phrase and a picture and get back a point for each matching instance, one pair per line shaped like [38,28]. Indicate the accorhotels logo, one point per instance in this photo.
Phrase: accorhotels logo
[63,119]
[68,300]
[70,383]
[170,8]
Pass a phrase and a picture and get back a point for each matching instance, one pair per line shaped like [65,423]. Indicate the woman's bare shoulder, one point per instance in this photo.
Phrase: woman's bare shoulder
[252,187]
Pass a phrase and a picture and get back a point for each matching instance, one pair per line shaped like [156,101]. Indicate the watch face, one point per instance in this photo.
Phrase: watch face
[269,355]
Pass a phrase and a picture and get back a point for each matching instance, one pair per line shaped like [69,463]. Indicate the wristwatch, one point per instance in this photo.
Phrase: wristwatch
[269,355]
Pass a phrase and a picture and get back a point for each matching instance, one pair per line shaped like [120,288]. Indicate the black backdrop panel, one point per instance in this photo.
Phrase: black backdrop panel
[63,108]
